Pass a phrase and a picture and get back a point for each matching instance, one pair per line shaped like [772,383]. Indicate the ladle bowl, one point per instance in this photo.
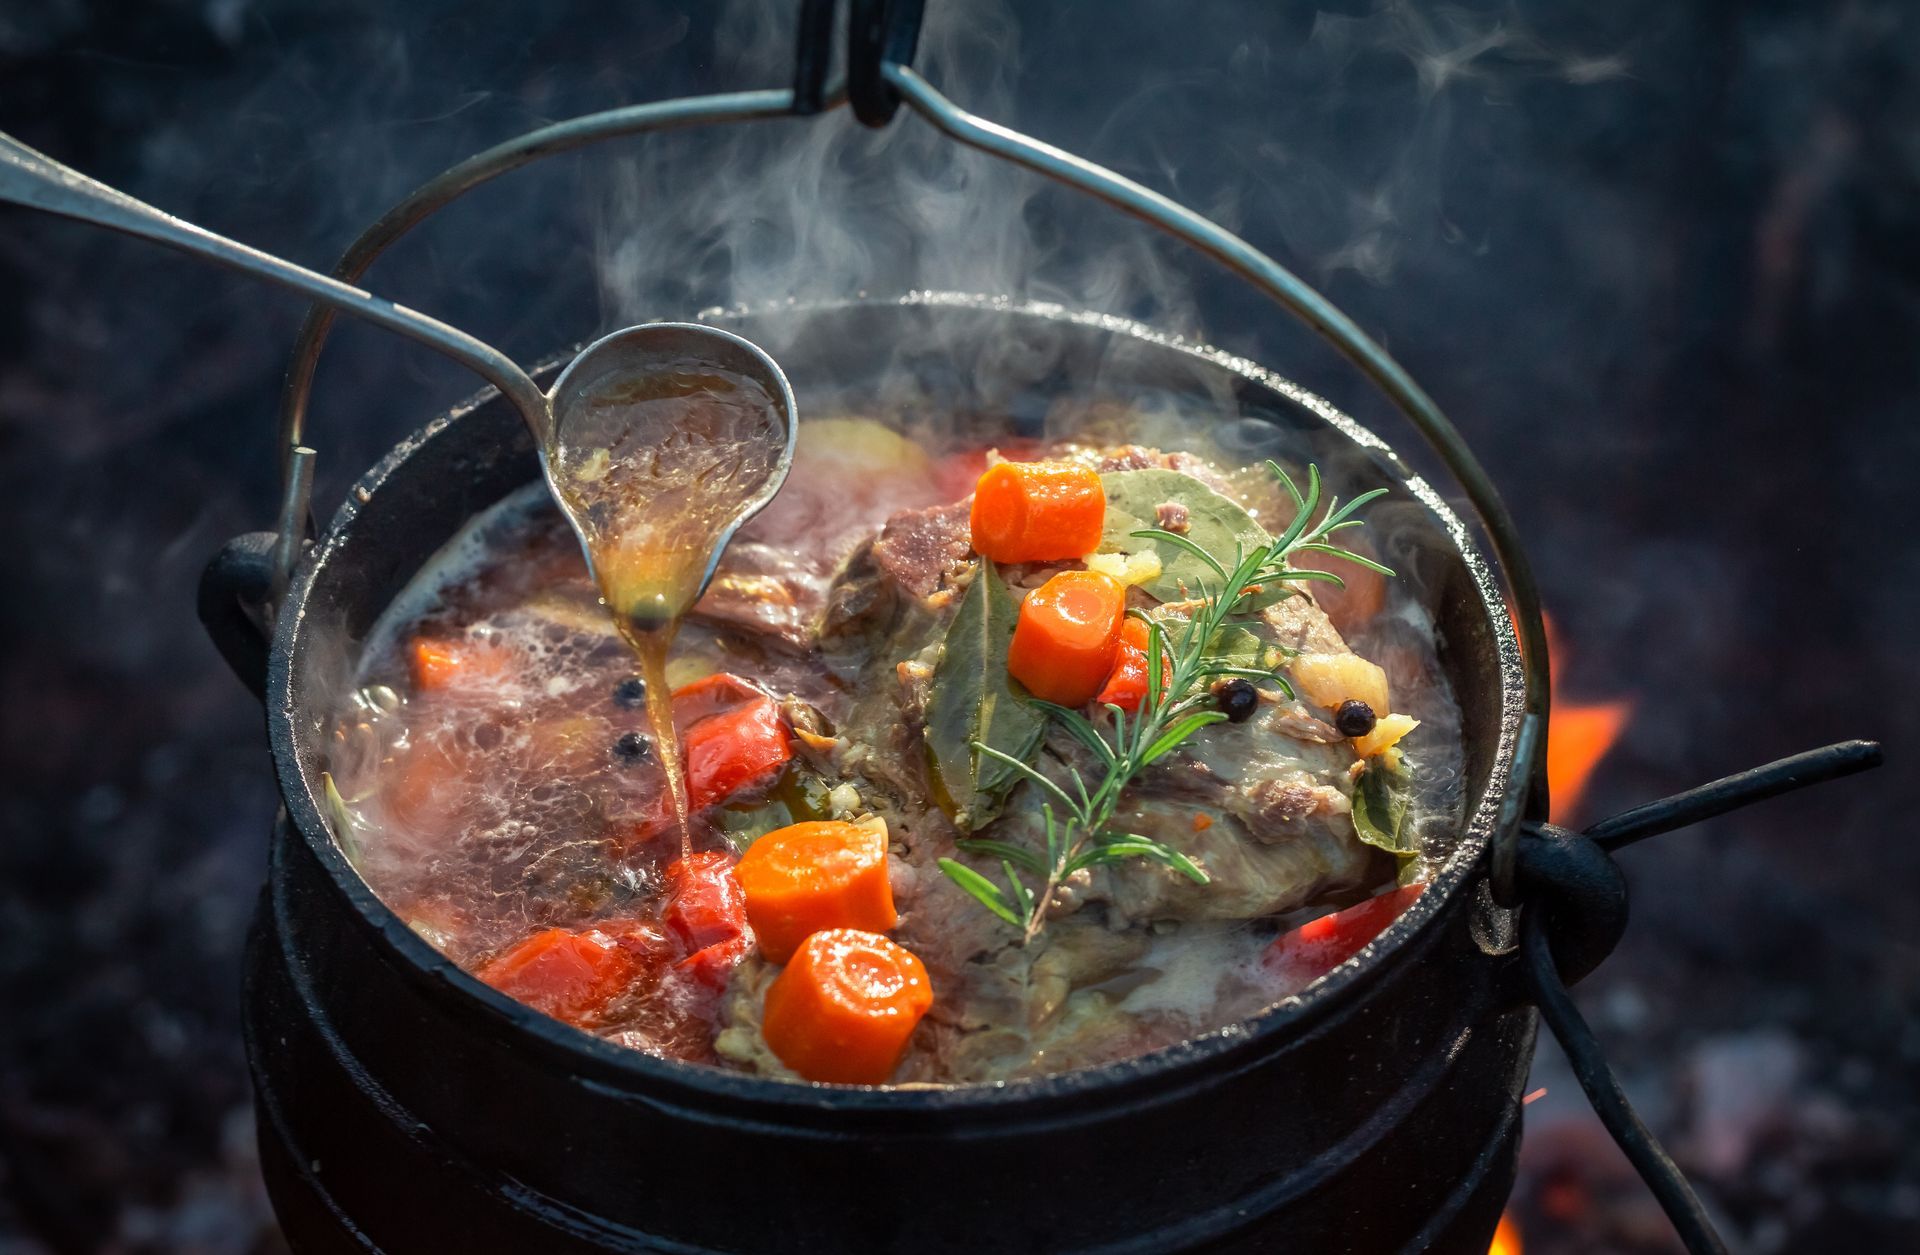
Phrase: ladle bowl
[670,351]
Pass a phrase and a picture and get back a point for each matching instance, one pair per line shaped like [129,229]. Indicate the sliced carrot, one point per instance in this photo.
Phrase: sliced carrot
[1068,636]
[1037,511]
[807,877]
[1127,683]
[440,663]
[569,976]
[843,1008]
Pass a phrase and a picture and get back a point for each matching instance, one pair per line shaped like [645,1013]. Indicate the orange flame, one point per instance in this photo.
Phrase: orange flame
[1578,737]
[1506,1238]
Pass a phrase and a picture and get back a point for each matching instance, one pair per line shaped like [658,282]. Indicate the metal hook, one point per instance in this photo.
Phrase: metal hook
[813,56]
[880,33]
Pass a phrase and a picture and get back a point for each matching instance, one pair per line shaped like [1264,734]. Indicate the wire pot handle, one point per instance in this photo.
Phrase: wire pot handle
[884,28]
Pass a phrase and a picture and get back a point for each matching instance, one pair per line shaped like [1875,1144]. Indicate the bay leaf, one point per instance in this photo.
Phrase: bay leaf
[973,699]
[1214,523]
[1239,645]
[1380,807]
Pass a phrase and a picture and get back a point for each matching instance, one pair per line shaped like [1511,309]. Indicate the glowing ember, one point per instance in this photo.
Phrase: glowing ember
[1506,1238]
[1578,737]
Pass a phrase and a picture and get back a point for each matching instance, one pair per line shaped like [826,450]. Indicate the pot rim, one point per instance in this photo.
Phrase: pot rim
[627,1071]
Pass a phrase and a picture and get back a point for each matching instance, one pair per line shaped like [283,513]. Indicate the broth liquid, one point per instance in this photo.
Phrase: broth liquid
[655,470]
[651,647]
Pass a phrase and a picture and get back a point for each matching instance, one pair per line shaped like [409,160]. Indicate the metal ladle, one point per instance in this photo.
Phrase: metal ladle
[31,178]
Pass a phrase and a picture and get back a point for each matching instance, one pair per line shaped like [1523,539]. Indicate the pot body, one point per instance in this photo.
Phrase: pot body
[405,1107]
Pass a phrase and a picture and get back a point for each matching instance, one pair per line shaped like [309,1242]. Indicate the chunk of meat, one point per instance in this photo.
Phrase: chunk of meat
[1292,719]
[762,588]
[1301,626]
[1131,457]
[1171,516]
[1135,457]
[1248,878]
[1276,808]
[921,549]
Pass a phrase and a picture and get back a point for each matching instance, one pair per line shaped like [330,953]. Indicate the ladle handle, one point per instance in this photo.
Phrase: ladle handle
[37,181]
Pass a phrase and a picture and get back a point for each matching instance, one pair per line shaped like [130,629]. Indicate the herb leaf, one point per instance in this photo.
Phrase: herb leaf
[980,887]
[1132,845]
[346,825]
[1380,807]
[1236,646]
[973,704]
[1215,526]
[1005,851]
[1215,599]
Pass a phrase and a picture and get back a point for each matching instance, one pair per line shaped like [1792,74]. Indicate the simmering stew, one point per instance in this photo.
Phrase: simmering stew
[999,761]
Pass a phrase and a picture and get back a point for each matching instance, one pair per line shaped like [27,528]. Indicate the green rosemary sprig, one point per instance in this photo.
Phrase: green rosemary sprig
[1178,703]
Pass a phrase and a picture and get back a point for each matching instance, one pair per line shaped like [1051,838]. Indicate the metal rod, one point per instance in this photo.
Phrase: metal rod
[1717,797]
[1335,327]
[455,182]
[1649,1158]
[292,525]
[1503,863]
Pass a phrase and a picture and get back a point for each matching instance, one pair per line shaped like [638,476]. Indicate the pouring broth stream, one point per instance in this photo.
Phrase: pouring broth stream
[652,509]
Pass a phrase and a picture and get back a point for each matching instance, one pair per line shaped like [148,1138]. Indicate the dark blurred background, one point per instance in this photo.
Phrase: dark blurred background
[1657,260]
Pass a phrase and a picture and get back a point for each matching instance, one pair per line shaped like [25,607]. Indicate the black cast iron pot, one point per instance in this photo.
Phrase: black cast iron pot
[404,1106]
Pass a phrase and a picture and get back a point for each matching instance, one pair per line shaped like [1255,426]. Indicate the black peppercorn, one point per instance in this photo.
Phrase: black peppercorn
[1354,718]
[1236,699]
[630,692]
[631,747]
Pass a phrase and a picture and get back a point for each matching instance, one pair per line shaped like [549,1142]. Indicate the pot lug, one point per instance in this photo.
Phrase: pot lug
[232,605]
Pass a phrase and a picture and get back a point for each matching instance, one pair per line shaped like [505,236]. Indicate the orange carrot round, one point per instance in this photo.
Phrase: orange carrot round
[1068,636]
[807,877]
[845,1006]
[1037,511]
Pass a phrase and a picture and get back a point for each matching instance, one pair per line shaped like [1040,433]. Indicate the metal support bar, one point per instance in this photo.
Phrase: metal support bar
[1649,1158]
[1563,871]
[1830,762]
[1576,890]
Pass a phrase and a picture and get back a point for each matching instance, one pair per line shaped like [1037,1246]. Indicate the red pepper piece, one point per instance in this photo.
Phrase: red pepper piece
[712,966]
[570,976]
[715,695]
[1127,683]
[1320,945]
[730,749]
[705,904]
[731,735]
